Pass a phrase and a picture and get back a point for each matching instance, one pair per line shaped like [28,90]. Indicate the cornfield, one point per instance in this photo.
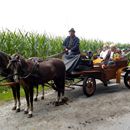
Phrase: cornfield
[41,45]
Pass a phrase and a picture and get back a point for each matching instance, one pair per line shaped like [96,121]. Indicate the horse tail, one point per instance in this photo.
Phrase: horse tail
[60,84]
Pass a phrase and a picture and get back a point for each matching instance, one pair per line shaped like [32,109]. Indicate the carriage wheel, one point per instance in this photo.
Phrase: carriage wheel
[89,86]
[127,80]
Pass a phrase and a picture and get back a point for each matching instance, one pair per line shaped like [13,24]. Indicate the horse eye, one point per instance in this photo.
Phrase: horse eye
[9,58]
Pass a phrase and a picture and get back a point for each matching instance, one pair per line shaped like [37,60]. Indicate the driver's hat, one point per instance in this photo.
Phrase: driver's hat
[72,30]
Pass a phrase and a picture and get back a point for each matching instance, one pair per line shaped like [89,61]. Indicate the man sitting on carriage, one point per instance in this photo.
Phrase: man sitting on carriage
[72,51]
[71,43]
[72,57]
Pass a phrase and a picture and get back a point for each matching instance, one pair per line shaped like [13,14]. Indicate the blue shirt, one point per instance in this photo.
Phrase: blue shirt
[74,44]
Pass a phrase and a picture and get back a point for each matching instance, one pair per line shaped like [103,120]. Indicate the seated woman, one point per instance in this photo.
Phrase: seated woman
[104,52]
[103,55]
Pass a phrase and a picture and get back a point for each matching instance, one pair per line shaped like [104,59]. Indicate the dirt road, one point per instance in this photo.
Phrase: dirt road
[108,109]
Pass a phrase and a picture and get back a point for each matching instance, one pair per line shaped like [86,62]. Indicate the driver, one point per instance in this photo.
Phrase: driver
[71,43]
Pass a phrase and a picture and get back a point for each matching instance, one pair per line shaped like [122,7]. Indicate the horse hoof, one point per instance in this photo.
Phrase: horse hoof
[35,99]
[14,108]
[64,100]
[30,115]
[42,98]
[18,110]
[25,112]
[57,104]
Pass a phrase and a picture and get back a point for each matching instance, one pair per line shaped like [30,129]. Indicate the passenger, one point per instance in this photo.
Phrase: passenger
[104,52]
[117,55]
[125,52]
[113,51]
[102,56]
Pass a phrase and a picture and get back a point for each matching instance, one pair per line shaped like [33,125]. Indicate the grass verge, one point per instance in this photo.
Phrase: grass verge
[6,93]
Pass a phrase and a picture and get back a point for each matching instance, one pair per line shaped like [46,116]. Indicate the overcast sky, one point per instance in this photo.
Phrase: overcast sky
[107,20]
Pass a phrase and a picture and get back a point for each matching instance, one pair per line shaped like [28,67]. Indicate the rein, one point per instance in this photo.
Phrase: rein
[56,55]
[8,77]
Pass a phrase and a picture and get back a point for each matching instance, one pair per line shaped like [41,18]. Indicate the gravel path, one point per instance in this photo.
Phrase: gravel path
[108,109]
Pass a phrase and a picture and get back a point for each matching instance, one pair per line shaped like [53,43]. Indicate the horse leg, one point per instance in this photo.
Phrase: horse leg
[62,90]
[27,99]
[35,99]
[58,96]
[60,86]
[18,98]
[30,114]
[59,93]
[42,97]
[15,100]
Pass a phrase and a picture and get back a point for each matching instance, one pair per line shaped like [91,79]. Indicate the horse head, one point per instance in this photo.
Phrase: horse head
[18,65]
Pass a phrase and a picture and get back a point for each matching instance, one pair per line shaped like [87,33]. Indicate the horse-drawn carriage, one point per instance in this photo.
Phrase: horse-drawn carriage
[96,71]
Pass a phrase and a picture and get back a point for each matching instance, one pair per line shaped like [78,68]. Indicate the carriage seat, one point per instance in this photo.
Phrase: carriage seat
[77,63]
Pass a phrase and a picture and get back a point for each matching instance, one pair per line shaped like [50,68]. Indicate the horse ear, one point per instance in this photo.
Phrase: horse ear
[20,63]
[17,57]
[9,58]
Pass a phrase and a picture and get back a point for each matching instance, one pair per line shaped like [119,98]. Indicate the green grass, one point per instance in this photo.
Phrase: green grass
[6,93]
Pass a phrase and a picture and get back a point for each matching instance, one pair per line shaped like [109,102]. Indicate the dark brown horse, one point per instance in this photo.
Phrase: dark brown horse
[30,74]
[4,60]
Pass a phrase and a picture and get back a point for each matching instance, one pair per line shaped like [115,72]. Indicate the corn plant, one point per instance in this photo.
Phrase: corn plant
[41,45]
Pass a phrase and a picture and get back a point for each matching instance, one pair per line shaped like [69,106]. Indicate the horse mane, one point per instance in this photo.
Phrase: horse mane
[4,59]
[19,57]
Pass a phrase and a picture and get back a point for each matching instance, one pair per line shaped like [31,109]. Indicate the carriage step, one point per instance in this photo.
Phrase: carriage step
[113,84]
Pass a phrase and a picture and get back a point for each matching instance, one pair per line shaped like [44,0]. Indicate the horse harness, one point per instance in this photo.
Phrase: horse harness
[35,69]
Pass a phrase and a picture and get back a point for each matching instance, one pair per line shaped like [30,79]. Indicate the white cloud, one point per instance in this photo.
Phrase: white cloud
[101,19]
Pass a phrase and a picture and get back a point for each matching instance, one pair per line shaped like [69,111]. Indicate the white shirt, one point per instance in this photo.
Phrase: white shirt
[103,54]
[111,55]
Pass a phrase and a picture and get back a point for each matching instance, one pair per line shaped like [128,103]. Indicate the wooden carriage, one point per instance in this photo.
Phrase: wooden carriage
[103,74]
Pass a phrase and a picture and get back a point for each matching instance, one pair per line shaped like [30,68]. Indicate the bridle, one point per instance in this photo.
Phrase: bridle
[27,75]
[24,77]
